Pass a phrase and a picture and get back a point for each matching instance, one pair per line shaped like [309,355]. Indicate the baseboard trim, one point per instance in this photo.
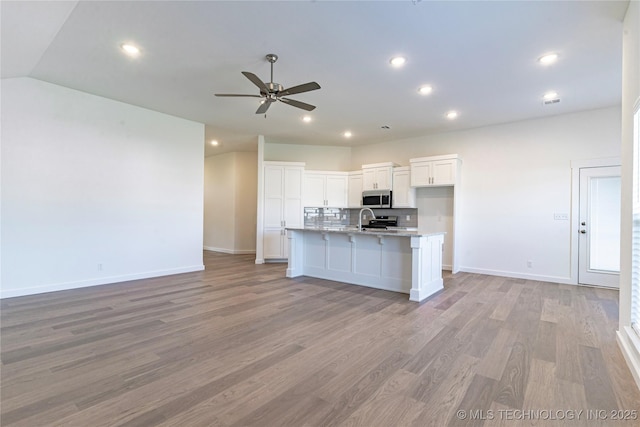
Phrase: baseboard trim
[12,293]
[230,251]
[517,275]
[629,344]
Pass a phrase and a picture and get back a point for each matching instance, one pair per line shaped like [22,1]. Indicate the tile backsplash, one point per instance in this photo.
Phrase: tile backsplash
[326,217]
[332,217]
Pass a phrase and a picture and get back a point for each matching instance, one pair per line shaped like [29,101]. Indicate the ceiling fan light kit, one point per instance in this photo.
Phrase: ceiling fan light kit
[272,92]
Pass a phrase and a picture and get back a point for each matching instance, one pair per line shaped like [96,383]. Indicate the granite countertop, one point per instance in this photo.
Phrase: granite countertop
[350,229]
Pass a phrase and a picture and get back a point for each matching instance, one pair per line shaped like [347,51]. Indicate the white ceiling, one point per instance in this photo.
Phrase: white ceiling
[480,57]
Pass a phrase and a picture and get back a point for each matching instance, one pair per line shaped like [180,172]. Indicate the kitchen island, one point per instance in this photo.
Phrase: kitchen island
[394,260]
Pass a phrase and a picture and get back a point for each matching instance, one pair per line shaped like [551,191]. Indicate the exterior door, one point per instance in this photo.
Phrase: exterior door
[599,227]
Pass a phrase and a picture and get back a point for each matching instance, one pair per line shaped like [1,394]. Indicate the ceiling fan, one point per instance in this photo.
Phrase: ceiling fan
[272,92]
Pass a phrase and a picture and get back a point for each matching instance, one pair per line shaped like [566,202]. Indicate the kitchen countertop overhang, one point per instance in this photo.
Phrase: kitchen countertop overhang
[400,232]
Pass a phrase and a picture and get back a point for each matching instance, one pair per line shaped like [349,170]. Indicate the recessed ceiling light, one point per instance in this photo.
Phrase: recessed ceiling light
[130,49]
[452,115]
[398,61]
[214,143]
[425,90]
[347,134]
[306,119]
[550,95]
[548,59]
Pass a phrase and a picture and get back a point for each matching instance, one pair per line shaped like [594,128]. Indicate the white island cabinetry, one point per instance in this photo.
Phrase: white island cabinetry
[406,262]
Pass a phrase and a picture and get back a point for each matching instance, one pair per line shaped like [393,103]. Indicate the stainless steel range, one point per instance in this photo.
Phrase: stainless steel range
[382,222]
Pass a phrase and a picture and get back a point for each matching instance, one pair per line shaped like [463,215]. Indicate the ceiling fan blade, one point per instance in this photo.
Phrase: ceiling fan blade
[298,104]
[256,81]
[299,89]
[264,107]
[237,94]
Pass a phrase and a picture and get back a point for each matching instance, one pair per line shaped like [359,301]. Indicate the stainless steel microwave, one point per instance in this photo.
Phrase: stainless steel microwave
[376,199]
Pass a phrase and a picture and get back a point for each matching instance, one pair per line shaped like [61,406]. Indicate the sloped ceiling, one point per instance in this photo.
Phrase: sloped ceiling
[480,58]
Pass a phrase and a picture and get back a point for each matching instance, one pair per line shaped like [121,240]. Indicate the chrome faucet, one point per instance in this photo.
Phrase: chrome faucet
[360,217]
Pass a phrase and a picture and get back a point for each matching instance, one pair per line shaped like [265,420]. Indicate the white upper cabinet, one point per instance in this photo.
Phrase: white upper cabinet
[404,196]
[325,189]
[434,171]
[336,190]
[378,176]
[314,186]
[355,189]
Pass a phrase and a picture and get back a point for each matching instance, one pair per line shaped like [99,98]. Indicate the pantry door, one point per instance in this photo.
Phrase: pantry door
[599,227]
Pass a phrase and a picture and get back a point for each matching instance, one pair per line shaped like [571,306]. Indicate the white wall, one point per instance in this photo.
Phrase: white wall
[246,201]
[514,178]
[629,341]
[435,214]
[316,157]
[95,191]
[230,202]
[219,202]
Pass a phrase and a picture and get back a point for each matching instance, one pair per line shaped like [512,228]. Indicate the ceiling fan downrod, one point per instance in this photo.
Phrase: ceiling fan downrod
[272,58]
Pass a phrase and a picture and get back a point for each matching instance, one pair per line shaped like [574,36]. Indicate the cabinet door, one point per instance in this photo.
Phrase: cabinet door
[403,194]
[293,211]
[369,179]
[273,196]
[273,243]
[336,191]
[355,191]
[420,174]
[314,190]
[444,172]
[384,178]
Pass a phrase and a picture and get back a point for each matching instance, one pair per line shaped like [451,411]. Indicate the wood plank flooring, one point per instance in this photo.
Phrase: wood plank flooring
[241,345]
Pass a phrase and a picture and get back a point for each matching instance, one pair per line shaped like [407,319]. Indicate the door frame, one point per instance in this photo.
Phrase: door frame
[574,220]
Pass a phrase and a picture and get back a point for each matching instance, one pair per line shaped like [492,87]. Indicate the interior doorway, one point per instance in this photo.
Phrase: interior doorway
[599,226]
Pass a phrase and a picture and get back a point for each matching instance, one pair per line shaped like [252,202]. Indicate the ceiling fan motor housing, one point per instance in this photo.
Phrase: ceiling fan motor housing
[273,88]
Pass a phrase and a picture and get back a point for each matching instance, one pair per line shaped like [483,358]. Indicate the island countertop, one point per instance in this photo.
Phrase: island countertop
[349,229]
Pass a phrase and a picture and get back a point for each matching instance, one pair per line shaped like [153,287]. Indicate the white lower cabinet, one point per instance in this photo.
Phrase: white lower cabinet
[275,244]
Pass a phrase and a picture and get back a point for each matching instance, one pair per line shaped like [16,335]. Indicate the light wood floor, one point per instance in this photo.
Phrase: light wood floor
[241,345]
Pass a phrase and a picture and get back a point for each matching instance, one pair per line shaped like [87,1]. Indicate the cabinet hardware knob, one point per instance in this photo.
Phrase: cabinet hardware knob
[583,231]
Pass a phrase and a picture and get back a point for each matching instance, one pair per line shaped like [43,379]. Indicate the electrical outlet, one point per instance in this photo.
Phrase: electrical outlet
[408,217]
[561,216]
[100,267]
[529,264]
